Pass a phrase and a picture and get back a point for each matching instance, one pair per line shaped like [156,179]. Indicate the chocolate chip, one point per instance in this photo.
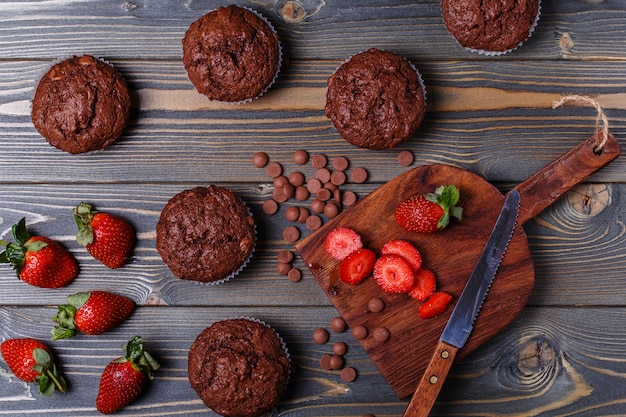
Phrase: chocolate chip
[323,175]
[292,213]
[289,191]
[274,169]
[320,336]
[376,305]
[336,362]
[338,324]
[313,185]
[260,159]
[359,332]
[340,348]
[302,194]
[340,163]
[294,275]
[285,256]
[303,214]
[323,194]
[325,362]
[300,157]
[270,207]
[313,222]
[283,267]
[291,234]
[279,195]
[338,178]
[348,198]
[280,181]
[319,160]
[348,374]
[380,334]
[296,178]
[331,210]
[405,158]
[359,175]
[317,206]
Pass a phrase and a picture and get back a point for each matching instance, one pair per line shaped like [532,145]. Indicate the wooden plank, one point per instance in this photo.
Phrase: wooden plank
[577,246]
[492,119]
[154,29]
[550,361]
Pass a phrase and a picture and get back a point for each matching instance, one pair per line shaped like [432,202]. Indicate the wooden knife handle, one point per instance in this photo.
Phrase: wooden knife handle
[428,389]
[549,183]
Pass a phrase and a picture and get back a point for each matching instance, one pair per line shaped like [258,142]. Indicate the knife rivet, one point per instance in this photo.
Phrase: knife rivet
[445,354]
[433,379]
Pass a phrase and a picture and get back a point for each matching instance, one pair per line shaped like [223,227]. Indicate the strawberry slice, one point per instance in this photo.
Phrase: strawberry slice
[357,266]
[404,249]
[425,283]
[394,274]
[341,242]
[435,305]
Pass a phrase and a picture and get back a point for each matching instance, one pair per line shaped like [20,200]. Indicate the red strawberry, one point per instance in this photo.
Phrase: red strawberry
[31,361]
[124,378]
[357,266]
[393,274]
[425,283]
[38,260]
[108,238]
[435,305]
[341,242]
[405,249]
[92,312]
[428,213]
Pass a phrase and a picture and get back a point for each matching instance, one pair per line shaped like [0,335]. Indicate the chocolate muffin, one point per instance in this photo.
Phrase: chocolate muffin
[81,104]
[231,54]
[376,100]
[490,27]
[239,367]
[205,234]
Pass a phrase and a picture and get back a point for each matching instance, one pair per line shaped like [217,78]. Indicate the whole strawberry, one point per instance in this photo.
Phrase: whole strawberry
[31,361]
[108,238]
[38,260]
[124,378]
[92,313]
[428,213]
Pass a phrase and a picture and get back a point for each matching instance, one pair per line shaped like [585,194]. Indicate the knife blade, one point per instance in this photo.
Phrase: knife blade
[461,321]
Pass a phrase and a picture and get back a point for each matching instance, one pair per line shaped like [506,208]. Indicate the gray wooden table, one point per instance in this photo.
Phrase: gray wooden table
[493,116]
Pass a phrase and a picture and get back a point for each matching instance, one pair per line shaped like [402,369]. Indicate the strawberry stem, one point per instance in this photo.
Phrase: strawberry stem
[83,215]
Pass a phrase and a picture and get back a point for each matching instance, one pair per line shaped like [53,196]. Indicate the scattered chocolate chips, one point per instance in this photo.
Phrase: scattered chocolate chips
[283,267]
[291,234]
[319,160]
[274,169]
[380,334]
[325,362]
[294,275]
[340,163]
[338,324]
[270,207]
[300,157]
[292,213]
[313,222]
[375,305]
[340,348]
[359,175]
[359,332]
[260,159]
[336,362]
[405,158]
[285,256]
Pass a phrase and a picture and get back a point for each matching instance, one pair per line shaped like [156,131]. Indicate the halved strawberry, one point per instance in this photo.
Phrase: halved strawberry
[425,283]
[405,249]
[357,266]
[435,305]
[394,274]
[341,242]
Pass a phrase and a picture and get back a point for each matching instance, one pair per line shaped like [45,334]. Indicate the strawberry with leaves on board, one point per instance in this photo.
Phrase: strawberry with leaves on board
[107,237]
[38,260]
[31,361]
[124,378]
[431,212]
[92,313]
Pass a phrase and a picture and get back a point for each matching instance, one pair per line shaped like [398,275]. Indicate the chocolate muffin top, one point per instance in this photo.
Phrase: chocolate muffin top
[81,104]
[205,234]
[375,100]
[231,54]
[491,26]
[238,367]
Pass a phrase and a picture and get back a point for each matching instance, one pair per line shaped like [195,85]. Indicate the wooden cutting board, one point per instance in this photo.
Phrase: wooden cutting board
[451,254]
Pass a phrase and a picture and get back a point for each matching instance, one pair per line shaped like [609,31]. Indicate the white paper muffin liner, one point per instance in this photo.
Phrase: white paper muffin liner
[278,68]
[498,53]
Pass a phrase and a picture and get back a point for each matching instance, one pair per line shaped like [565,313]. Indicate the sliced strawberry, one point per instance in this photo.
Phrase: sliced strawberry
[435,305]
[394,274]
[341,242]
[404,249]
[357,266]
[425,283]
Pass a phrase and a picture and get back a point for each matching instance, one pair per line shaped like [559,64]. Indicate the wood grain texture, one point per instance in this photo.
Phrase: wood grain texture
[491,116]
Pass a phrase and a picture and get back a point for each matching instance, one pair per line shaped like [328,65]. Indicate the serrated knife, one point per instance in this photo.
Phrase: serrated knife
[461,321]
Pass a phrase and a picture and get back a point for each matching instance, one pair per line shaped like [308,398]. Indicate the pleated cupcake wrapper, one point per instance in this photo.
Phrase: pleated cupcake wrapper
[498,53]
[241,267]
[280,63]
